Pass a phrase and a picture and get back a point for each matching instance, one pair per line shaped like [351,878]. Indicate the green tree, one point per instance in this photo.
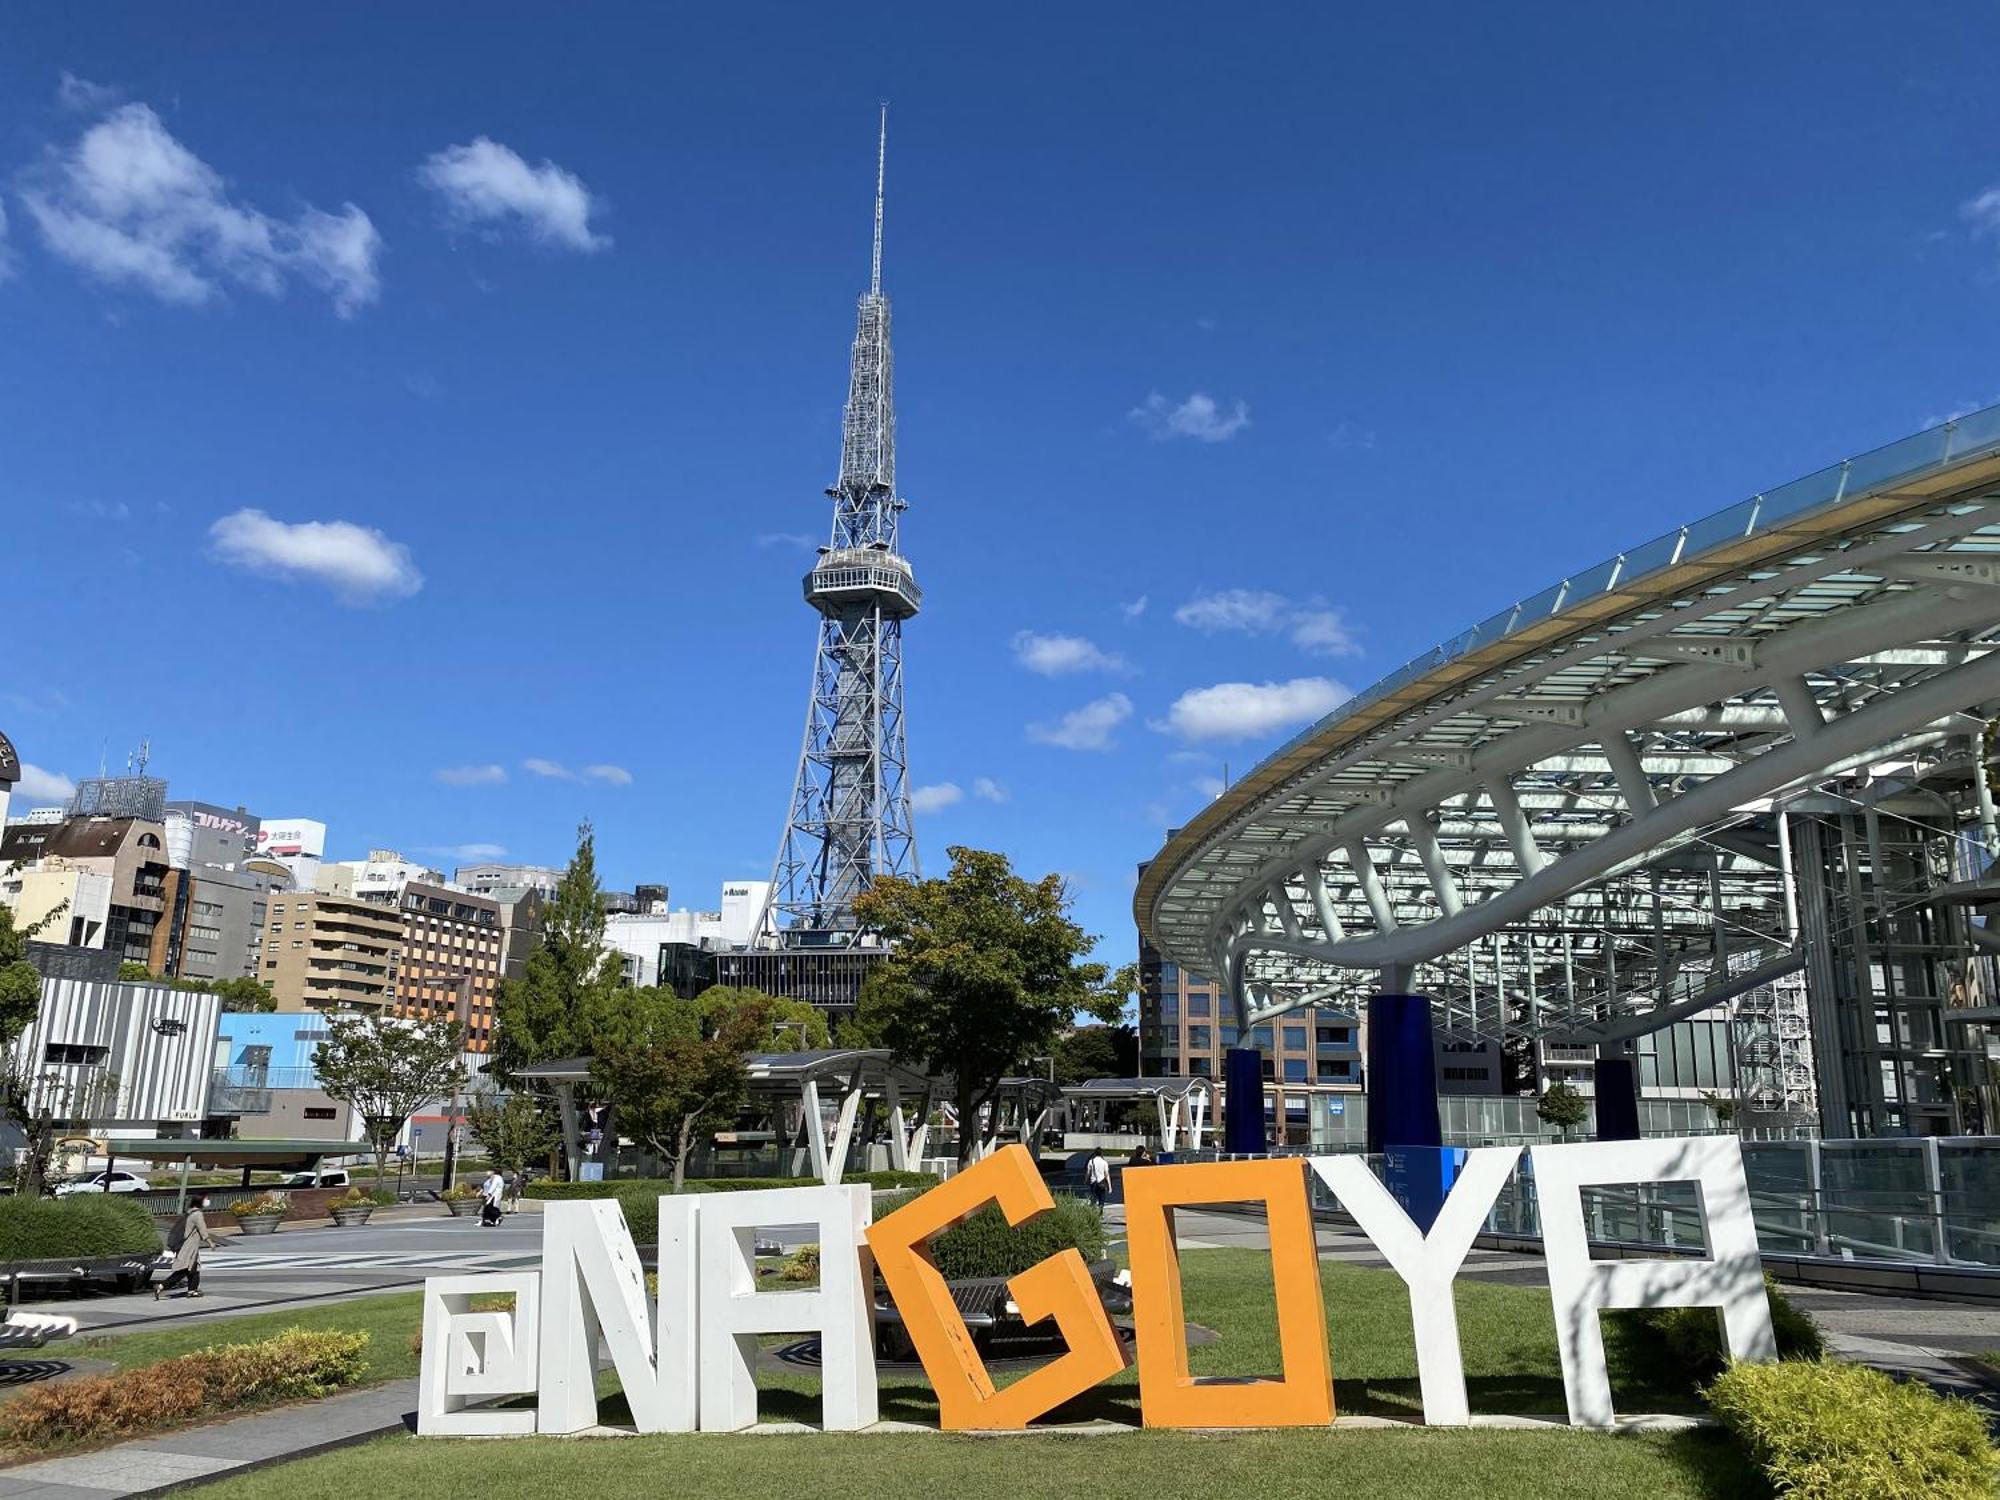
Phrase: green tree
[549,1011]
[130,971]
[1097,1052]
[672,1068]
[984,970]
[513,1131]
[768,1023]
[387,1068]
[31,1101]
[1722,1106]
[1562,1107]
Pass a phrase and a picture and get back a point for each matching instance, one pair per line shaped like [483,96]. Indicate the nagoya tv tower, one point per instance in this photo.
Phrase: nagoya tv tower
[850,810]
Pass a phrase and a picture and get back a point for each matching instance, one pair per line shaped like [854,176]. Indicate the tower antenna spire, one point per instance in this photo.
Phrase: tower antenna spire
[881,160]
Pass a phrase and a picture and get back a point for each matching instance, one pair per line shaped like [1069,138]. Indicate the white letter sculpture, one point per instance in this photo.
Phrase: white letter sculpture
[733,1312]
[477,1356]
[1731,1277]
[1429,1263]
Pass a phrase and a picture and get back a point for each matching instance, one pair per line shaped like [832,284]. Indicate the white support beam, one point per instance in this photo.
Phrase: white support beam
[1329,919]
[1802,711]
[1371,886]
[1521,838]
[1626,765]
[1424,836]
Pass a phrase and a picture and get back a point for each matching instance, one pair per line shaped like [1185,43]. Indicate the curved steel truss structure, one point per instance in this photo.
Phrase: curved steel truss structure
[1558,824]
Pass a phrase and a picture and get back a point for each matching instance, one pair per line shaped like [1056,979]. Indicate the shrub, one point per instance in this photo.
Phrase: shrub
[354,1197]
[459,1192]
[1692,1336]
[802,1265]
[295,1365]
[83,1226]
[986,1245]
[1823,1430]
[270,1206]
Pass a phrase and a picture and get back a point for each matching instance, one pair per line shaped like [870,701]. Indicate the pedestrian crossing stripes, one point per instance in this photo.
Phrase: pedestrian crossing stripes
[364,1260]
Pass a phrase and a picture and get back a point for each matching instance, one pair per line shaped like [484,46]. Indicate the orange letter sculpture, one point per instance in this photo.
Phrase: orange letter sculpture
[1169,1396]
[1058,1288]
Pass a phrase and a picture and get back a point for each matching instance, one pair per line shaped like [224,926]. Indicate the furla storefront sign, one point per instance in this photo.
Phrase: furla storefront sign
[686,1359]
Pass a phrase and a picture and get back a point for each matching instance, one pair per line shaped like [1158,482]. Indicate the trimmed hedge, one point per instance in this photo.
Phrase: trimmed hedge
[296,1365]
[1692,1336]
[549,1188]
[987,1245]
[82,1226]
[1822,1430]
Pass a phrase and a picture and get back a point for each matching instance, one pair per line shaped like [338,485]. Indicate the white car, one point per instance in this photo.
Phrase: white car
[333,1177]
[106,1182]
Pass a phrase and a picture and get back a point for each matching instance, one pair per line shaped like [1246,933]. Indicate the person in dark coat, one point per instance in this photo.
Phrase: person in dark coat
[189,1238]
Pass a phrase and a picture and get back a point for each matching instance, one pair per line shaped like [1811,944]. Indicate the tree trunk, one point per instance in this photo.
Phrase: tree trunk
[681,1156]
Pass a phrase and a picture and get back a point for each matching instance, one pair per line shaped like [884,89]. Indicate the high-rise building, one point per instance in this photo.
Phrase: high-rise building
[131,852]
[488,878]
[450,960]
[849,817]
[299,844]
[330,952]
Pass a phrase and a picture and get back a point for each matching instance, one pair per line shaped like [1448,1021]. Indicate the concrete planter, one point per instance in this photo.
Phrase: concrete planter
[359,1215]
[258,1223]
[463,1208]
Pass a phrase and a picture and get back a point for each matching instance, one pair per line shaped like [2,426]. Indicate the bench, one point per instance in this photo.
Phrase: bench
[983,1302]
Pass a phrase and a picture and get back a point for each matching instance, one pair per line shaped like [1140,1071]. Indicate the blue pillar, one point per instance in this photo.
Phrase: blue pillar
[1402,1073]
[1243,1102]
[1617,1088]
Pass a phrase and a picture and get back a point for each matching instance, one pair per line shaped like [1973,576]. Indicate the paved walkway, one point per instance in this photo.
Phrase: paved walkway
[148,1466]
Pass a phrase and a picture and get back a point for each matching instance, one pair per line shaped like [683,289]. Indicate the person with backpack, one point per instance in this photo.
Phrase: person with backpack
[187,1240]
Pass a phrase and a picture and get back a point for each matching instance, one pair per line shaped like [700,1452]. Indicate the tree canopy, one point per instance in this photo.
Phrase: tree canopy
[984,970]
[1096,1052]
[512,1131]
[671,1068]
[387,1068]
[548,1011]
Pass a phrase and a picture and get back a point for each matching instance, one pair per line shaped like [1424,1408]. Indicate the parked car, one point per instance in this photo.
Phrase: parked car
[332,1177]
[106,1182]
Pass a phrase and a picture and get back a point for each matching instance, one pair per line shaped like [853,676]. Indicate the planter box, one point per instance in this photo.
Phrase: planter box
[464,1208]
[259,1223]
[352,1215]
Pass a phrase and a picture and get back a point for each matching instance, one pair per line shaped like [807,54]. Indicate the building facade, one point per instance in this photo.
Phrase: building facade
[329,952]
[490,879]
[299,844]
[132,852]
[450,961]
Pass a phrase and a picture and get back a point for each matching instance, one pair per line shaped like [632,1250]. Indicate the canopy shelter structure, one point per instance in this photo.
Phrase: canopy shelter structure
[1567,823]
[251,1156]
[1183,1105]
[1018,1111]
[865,1089]
[820,1099]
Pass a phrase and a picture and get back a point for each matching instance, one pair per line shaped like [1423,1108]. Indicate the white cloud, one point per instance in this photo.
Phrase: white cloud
[486,183]
[99,510]
[472,775]
[1060,655]
[358,563]
[43,786]
[6,257]
[1197,417]
[930,799]
[81,96]
[555,770]
[1350,436]
[1323,632]
[1086,728]
[1136,607]
[1247,710]
[796,539]
[1249,610]
[1311,625]
[986,789]
[466,851]
[1983,212]
[1211,787]
[130,205]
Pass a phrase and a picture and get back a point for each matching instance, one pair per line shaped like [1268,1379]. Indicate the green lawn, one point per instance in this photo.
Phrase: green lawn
[389,1320]
[1511,1366]
[1390,1465]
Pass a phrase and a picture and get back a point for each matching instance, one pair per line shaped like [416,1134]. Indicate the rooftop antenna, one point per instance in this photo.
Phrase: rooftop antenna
[881,159]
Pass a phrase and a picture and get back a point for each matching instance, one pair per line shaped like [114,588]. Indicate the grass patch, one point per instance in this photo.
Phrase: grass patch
[1391,1465]
[389,1321]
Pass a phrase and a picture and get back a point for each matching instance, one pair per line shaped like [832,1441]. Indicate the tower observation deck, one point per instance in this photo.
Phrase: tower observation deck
[849,818]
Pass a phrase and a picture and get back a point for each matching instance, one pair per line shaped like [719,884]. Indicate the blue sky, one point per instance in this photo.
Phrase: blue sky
[1254,347]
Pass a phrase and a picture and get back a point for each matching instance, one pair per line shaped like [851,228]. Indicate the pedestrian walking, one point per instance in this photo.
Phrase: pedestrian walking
[517,1184]
[187,1240]
[1097,1177]
[492,1192]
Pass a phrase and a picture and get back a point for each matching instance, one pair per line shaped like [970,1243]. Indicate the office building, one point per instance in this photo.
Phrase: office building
[130,852]
[487,879]
[330,952]
[450,960]
[298,844]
